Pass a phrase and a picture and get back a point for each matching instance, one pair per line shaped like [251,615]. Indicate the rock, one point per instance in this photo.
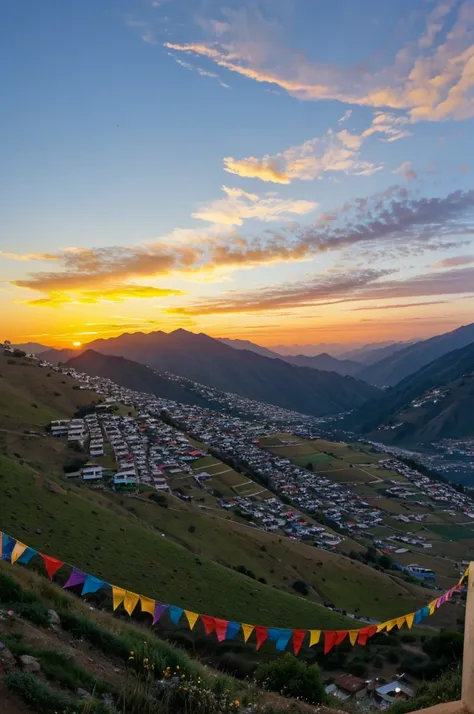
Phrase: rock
[30,664]
[53,617]
[83,694]
[7,659]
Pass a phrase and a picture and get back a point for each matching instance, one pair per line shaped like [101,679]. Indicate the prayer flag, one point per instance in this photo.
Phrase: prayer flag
[77,577]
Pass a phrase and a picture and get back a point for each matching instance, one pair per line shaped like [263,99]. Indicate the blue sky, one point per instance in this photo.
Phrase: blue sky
[273,170]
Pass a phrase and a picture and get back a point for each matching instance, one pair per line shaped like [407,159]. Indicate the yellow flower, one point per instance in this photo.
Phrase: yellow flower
[236,703]
[146,659]
[177,666]
[132,652]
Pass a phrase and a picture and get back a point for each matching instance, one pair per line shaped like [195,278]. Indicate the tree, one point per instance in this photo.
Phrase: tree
[385,562]
[292,678]
[301,587]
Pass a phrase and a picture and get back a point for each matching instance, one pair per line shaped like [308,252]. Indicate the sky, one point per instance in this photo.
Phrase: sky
[283,171]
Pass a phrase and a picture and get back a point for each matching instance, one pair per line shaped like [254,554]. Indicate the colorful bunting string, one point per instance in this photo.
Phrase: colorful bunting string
[14,551]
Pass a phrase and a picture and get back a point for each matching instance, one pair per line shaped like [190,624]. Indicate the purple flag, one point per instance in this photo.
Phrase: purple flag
[77,577]
[160,608]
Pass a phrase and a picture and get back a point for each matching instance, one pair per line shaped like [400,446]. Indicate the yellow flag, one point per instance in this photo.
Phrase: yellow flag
[247,630]
[18,550]
[118,595]
[432,606]
[390,625]
[191,617]
[401,621]
[353,635]
[409,619]
[382,626]
[148,605]
[314,637]
[130,602]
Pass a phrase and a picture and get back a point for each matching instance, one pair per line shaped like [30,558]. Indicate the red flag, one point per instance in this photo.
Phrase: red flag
[341,636]
[221,628]
[52,565]
[209,623]
[298,639]
[262,634]
[366,633]
[329,641]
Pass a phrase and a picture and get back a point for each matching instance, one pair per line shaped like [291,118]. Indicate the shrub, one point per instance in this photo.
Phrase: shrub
[40,696]
[60,667]
[35,612]
[83,628]
[292,678]
[445,689]
[301,587]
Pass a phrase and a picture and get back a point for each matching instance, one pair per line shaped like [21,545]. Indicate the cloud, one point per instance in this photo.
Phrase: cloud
[239,205]
[405,170]
[332,152]
[202,72]
[430,82]
[397,305]
[368,284]
[347,115]
[386,221]
[58,298]
[27,256]
[455,262]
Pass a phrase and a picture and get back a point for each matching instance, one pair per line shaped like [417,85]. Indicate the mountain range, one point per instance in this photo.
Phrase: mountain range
[392,369]
[209,361]
[433,403]
[322,361]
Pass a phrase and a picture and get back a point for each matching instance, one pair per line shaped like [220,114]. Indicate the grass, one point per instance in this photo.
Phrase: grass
[312,459]
[453,531]
[105,541]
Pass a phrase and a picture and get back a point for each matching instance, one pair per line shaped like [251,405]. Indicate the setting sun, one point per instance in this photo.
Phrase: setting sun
[77,344]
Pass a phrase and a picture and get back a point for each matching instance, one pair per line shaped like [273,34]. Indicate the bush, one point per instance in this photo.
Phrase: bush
[35,612]
[83,628]
[292,678]
[40,696]
[301,587]
[24,603]
[60,667]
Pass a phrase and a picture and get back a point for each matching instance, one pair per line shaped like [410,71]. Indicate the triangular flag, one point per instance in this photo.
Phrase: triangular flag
[118,596]
[209,623]
[441,600]
[191,618]
[390,625]
[353,635]
[8,544]
[17,551]
[148,605]
[314,637]
[221,628]
[298,639]
[27,555]
[52,565]
[160,608]
[381,627]
[418,617]
[130,601]
[283,639]
[432,606]
[247,630]
[262,634]
[77,577]
[401,621]
[329,641]
[175,613]
[92,585]
[409,619]
[341,636]
[366,633]
[232,629]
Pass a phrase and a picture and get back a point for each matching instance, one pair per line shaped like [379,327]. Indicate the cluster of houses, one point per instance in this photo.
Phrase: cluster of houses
[370,694]
[148,450]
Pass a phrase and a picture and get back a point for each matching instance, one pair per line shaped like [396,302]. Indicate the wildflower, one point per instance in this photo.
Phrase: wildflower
[236,703]
[132,652]
[177,666]
[145,659]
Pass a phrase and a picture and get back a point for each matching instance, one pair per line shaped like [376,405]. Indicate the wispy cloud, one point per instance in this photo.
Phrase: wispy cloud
[58,298]
[202,72]
[405,169]
[368,284]
[240,205]
[429,81]
[335,151]
[455,261]
[27,256]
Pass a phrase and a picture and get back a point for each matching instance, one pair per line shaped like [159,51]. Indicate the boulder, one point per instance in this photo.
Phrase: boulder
[53,617]
[30,664]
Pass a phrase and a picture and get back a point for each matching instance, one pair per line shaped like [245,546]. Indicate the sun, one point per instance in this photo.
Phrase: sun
[77,344]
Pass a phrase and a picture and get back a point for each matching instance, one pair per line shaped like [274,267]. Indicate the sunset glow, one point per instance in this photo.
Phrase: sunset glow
[249,172]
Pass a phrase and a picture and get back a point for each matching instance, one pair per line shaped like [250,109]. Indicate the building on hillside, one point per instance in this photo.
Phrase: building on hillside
[59,427]
[347,687]
[125,480]
[92,472]
[388,694]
